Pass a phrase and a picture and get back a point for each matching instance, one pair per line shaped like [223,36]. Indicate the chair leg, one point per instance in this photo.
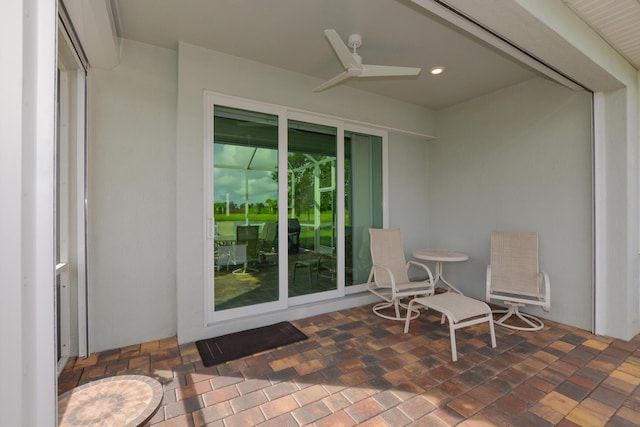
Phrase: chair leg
[408,320]
[534,323]
[492,330]
[396,305]
[452,335]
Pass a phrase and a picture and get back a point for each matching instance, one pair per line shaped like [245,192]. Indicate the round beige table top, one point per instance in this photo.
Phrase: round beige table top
[440,255]
[123,400]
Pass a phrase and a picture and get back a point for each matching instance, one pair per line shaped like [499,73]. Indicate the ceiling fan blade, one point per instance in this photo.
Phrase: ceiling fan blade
[344,54]
[387,71]
[334,81]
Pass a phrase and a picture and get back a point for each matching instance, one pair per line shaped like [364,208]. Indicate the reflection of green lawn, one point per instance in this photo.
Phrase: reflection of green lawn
[239,217]
[325,217]
[306,234]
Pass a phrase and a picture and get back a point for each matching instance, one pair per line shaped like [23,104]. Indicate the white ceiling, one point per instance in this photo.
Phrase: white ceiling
[289,34]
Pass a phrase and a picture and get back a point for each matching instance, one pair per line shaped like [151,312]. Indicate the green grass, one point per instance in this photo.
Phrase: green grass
[306,234]
[254,217]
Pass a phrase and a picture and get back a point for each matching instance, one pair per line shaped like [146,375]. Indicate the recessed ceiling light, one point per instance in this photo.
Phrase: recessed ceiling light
[437,70]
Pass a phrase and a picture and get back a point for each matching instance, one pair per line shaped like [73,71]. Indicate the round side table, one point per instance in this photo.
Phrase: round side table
[440,256]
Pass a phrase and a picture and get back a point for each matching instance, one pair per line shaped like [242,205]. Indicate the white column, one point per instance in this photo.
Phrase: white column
[28,396]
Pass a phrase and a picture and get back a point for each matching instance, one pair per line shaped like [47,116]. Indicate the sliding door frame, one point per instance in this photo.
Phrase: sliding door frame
[211,99]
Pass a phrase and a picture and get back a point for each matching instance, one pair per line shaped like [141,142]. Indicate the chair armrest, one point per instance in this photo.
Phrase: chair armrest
[424,267]
[546,291]
[389,272]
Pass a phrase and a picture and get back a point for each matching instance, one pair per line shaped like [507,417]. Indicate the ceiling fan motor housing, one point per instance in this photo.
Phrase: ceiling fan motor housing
[354,41]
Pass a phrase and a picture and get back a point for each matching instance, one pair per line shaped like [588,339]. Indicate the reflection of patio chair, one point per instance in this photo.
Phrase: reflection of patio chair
[268,238]
[225,255]
[247,237]
[225,230]
[327,266]
[308,262]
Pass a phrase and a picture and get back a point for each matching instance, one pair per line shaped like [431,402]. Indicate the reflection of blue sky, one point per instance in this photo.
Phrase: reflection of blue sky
[230,173]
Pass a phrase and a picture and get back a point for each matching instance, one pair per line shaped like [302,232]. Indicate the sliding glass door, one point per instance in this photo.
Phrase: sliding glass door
[290,198]
[311,161]
[363,201]
[245,195]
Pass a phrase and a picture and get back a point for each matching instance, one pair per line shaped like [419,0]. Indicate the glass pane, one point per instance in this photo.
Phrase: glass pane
[312,208]
[245,187]
[363,202]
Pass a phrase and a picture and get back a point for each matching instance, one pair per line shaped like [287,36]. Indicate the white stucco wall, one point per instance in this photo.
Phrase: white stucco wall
[409,190]
[517,160]
[132,199]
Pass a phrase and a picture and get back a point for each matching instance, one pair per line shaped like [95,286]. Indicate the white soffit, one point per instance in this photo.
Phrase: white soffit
[514,21]
[617,22]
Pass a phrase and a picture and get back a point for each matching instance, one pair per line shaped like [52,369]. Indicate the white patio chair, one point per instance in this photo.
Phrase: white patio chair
[389,276]
[514,278]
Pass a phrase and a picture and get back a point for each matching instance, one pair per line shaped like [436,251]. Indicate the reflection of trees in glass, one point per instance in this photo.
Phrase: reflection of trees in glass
[220,207]
[300,180]
[302,168]
[273,205]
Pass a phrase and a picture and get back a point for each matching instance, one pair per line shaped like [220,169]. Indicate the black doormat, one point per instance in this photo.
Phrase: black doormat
[245,343]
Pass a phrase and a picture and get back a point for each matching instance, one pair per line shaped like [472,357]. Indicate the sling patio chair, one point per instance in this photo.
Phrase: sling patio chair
[514,277]
[389,276]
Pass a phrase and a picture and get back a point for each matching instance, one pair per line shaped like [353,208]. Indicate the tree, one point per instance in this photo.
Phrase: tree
[273,205]
[220,207]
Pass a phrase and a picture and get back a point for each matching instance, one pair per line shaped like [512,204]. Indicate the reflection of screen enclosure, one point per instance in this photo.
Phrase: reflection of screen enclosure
[245,192]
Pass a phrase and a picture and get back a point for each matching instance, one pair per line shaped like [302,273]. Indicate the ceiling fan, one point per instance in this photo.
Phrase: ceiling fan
[352,62]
